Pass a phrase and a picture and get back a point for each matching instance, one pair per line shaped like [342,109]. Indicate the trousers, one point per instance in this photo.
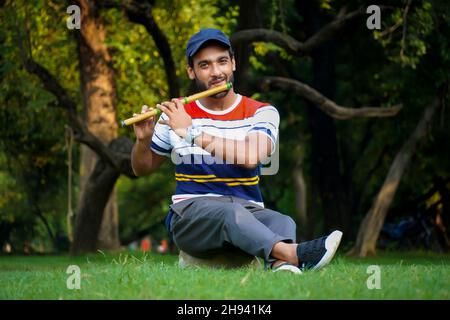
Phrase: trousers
[205,226]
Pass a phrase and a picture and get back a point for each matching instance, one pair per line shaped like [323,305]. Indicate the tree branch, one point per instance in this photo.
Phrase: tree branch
[323,103]
[292,45]
[141,13]
[119,160]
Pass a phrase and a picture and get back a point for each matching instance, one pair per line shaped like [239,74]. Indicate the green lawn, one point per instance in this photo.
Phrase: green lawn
[138,276]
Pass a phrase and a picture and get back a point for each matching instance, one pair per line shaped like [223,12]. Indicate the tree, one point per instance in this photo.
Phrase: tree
[99,103]
[371,225]
[327,186]
[98,86]
[423,20]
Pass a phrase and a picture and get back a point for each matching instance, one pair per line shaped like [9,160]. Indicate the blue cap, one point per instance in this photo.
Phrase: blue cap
[198,39]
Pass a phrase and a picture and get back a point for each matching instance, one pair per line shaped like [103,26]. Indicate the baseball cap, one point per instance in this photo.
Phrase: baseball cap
[198,39]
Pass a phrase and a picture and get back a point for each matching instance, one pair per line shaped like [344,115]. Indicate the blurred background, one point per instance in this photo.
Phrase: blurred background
[380,174]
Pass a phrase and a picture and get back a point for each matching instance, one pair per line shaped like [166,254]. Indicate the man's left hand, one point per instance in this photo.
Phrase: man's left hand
[179,120]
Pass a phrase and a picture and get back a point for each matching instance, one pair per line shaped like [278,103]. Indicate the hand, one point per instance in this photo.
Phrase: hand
[179,120]
[144,129]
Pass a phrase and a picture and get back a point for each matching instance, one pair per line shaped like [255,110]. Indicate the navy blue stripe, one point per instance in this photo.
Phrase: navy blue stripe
[264,130]
[267,123]
[158,148]
[220,170]
[245,192]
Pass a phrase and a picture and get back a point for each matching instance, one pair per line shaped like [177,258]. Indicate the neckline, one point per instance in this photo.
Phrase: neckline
[221,112]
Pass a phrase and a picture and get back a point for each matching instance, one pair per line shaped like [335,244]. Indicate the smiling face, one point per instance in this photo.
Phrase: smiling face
[212,66]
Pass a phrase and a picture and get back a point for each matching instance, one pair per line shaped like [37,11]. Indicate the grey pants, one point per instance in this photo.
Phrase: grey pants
[205,226]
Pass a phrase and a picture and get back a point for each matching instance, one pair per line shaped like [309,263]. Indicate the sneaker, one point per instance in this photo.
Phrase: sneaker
[286,266]
[316,254]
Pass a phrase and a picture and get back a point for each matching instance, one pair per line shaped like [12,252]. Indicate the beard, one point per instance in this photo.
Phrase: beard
[203,86]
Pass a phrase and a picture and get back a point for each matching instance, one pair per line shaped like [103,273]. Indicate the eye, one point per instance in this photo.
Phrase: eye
[203,65]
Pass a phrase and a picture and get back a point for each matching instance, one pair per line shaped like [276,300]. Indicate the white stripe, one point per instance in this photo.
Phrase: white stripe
[180,197]
[157,140]
[220,112]
[265,108]
[265,124]
[187,149]
[223,123]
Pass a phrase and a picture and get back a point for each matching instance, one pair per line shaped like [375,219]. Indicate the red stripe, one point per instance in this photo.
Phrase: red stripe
[246,108]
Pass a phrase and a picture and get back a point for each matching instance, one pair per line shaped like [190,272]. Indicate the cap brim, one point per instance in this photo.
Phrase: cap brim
[200,44]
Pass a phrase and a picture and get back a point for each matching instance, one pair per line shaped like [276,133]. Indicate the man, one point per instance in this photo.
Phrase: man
[219,143]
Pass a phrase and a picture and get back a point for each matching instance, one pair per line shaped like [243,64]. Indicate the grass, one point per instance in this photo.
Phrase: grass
[152,276]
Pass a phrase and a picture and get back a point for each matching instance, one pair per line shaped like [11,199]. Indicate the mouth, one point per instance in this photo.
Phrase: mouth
[217,83]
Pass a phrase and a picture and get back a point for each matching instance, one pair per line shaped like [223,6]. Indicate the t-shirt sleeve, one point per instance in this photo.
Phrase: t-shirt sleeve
[161,139]
[266,120]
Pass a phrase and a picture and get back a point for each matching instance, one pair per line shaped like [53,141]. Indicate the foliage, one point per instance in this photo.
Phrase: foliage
[33,125]
[33,158]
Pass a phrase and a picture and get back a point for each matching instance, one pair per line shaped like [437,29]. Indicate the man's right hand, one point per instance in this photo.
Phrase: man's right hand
[144,129]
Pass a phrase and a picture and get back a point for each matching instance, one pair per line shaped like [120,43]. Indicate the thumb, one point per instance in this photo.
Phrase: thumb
[166,122]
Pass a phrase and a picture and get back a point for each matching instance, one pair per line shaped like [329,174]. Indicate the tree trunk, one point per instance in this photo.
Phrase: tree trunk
[444,192]
[97,193]
[304,226]
[249,17]
[99,99]
[371,225]
[327,186]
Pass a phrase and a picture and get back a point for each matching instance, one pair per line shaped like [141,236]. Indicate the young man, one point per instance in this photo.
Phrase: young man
[219,143]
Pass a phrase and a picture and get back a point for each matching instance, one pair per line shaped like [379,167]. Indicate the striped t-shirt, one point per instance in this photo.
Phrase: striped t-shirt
[197,172]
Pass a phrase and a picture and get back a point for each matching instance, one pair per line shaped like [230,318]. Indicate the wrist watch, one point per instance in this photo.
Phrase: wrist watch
[192,133]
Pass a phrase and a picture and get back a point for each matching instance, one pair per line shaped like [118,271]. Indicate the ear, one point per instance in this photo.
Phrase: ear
[190,72]
[233,64]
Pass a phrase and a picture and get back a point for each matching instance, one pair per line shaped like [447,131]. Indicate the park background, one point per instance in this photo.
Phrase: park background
[363,133]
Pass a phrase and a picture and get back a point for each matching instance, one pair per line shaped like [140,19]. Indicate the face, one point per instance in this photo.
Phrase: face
[212,67]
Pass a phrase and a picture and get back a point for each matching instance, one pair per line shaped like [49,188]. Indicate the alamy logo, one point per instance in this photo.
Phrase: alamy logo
[235,153]
[74,280]
[271,165]
[374,280]
[73,21]
[374,20]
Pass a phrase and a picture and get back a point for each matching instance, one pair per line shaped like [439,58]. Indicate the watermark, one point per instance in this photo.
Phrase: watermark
[374,20]
[74,280]
[231,151]
[374,280]
[272,164]
[73,21]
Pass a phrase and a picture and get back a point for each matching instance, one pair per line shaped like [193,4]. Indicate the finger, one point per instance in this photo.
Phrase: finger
[166,122]
[170,105]
[144,108]
[164,109]
[178,104]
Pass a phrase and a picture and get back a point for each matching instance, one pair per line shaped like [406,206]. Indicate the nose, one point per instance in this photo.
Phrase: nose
[215,70]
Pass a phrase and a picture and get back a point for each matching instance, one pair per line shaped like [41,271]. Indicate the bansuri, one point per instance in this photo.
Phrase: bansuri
[185,100]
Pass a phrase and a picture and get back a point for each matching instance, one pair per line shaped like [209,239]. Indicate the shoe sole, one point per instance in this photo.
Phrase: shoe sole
[288,268]
[331,244]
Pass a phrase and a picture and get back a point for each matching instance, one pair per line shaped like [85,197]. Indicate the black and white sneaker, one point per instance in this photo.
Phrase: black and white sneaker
[286,266]
[317,253]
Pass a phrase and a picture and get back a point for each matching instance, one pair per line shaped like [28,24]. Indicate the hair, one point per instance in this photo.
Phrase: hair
[230,50]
